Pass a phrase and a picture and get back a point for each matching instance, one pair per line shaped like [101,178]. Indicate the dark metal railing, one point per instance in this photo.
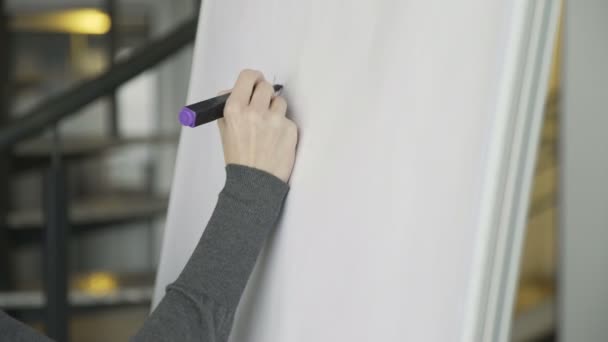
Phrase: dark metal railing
[112,43]
[56,271]
[5,62]
[68,102]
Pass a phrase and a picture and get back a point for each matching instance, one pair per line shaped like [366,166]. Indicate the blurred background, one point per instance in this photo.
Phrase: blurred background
[114,71]
[110,158]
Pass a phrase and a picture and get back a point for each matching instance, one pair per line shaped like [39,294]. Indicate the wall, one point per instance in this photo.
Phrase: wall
[584,230]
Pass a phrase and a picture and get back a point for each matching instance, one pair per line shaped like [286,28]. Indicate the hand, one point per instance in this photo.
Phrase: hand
[254,129]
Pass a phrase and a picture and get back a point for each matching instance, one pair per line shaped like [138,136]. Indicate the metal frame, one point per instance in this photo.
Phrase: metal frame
[56,268]
[511,158]
[5,167]
[112,42]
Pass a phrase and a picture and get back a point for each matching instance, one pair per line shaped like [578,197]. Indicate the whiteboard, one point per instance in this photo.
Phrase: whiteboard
[411,118]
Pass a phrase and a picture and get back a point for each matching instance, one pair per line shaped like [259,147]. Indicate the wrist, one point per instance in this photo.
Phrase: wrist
[254,186]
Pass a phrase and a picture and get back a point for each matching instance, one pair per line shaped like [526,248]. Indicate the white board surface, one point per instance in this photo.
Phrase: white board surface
[397,107]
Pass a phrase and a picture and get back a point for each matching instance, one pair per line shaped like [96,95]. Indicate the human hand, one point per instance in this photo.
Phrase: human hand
[254,129]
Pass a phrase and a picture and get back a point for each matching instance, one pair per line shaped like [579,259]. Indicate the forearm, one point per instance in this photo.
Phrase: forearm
[200,304]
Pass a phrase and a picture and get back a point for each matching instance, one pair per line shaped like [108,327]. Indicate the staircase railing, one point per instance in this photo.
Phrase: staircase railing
[68,102]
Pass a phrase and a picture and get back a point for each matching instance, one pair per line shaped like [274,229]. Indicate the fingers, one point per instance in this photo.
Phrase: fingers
[243,90]
[262,95]
[278,105]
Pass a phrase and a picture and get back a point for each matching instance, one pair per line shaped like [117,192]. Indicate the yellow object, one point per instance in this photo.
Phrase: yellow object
[79,21]
[98,283]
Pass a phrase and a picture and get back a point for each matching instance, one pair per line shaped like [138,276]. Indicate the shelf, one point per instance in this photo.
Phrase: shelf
[95,212]
[34,300]
[37,152]
[87,290]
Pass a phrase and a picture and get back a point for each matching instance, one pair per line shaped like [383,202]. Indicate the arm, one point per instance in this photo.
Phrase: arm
[259,149]
[200,305]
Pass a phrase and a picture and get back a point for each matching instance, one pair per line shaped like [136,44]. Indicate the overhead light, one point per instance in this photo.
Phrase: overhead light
[77,21]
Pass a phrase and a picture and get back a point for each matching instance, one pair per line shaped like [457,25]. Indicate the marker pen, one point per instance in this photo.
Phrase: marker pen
[206,111]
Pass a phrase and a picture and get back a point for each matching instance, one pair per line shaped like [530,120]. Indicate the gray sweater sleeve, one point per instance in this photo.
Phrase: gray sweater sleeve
[15,331]
[200,304]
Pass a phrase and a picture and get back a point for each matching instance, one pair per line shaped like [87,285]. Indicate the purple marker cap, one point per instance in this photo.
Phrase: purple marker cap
[187,117]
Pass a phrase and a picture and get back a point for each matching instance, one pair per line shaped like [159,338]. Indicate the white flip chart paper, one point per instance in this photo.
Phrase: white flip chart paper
[382,236]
